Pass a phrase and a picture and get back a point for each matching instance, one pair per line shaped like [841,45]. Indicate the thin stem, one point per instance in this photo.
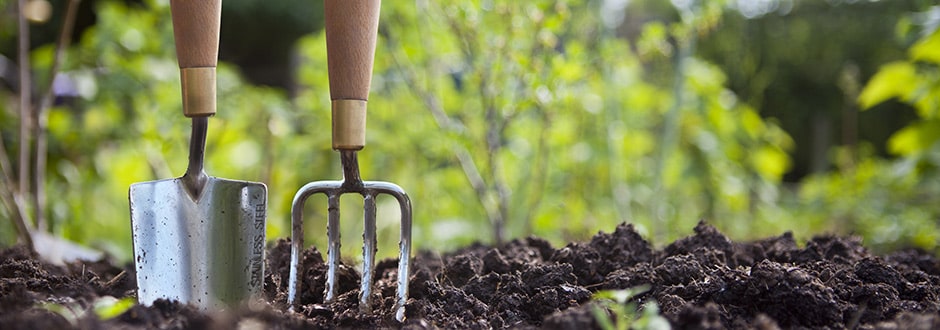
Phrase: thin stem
[445,122]
[497,213]
[22,228]
[670,130]
[11,202]
[493,145]
[25,95]
[8,194]
[495,126]
[535,180]
[42,116]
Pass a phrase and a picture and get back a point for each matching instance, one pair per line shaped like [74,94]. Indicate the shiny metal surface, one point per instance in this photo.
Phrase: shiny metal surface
[198,239]
[352,183]
[208,251]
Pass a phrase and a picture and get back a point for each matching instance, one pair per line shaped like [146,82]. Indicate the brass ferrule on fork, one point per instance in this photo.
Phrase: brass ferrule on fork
[349,124]
[198,85]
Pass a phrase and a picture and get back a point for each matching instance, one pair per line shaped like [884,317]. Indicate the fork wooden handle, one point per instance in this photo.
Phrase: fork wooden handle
[351,29]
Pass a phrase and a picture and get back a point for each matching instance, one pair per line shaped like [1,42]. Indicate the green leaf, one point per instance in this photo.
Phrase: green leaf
[927,49]
[771,163]
[651,319]
[70,311]
[602,317]
[893,80]
[914,138]
[622,296]
[109,307]
[752,123]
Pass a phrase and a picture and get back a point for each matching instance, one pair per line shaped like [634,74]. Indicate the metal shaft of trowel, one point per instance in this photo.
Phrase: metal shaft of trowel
[195,177]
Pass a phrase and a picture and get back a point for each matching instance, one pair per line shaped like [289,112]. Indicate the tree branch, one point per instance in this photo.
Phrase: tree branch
[8,193]
[446,123]
[11,202]
[25,95]
[42,116]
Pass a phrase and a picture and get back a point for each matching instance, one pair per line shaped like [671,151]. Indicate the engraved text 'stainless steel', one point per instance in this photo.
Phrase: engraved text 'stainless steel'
[351,28]
[198,239]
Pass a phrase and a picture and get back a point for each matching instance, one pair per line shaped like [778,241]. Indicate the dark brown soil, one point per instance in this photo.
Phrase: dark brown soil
[704,281]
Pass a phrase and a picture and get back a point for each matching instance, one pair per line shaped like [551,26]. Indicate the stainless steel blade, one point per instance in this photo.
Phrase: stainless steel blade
[206,250]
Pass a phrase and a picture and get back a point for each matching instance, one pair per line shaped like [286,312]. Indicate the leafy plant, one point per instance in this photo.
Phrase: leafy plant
[118,121]
[501,119]
[104,308]
[890,202]
[616,310]
[555,132]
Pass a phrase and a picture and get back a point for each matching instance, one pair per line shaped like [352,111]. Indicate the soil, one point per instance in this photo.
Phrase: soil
[704,281]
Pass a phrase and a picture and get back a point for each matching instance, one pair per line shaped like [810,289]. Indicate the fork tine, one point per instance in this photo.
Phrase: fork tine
[404,254]
[369,190]
[297,243]
[368,254]
[404,245]
[333,236]
[297,233]
[296,249]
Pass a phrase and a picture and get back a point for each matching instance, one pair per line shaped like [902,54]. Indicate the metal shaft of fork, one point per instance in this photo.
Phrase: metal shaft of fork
[352,182]
[195,177]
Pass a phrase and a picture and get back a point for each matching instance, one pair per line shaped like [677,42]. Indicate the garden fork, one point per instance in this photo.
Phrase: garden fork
[351,28]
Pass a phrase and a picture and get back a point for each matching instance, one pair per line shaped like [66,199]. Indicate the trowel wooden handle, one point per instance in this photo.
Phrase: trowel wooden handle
[196,31]
[351,29]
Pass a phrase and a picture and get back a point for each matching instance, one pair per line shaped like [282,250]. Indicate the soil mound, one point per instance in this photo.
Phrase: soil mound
[704,281]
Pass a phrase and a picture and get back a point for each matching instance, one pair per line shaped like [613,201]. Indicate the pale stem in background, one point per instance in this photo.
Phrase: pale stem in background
[42,117]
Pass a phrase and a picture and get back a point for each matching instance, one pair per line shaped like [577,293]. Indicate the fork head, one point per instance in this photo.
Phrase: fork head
[369,190]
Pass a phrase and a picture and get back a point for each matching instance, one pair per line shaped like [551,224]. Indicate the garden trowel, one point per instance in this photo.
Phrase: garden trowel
[198,239]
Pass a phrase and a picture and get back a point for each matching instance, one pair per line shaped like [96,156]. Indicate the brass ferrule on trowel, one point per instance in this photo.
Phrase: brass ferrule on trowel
[349,124]
[198,85]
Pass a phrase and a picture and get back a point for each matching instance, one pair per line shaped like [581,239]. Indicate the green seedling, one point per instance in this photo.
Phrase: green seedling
[104,308]
[109,307]
[616,310]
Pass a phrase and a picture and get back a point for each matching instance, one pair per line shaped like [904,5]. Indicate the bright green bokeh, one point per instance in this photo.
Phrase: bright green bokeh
[532,113]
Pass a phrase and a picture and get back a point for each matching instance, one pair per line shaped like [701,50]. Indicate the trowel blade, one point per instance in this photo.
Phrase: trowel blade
[206,251]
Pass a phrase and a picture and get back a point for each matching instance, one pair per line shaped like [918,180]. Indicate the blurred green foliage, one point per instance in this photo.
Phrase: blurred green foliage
[500,118]
[802,62]
[891,202]
[563,123]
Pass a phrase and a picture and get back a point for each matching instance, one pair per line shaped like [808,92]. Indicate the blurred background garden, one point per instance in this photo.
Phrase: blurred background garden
[502,119]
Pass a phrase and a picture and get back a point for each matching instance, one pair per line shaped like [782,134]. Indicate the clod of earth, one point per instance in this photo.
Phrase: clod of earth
[704,281]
